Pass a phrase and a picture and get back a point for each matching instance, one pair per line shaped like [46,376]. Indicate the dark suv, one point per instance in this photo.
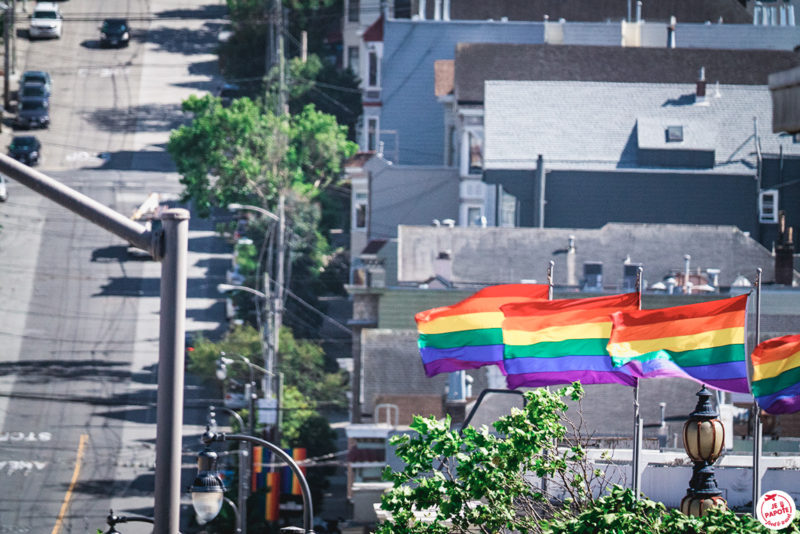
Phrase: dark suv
[33,112]
[115,32]
[25,149]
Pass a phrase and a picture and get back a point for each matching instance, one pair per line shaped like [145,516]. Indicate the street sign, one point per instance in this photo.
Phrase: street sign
[268,411]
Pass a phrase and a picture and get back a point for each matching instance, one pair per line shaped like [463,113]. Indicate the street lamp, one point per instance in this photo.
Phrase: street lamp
[207,489]
[233,206]
[204,466]
[703,439]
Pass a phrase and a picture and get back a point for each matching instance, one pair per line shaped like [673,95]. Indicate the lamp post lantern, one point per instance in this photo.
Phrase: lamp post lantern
[703,439]
[204,467]
[207,489]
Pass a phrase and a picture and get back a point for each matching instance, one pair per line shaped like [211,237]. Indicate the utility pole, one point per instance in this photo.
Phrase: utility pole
[6,62]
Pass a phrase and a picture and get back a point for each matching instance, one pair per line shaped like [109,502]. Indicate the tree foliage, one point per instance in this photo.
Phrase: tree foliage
[481,481]
[475,480]
[245,153]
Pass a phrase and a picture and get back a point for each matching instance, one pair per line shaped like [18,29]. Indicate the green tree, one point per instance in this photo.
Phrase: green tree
[475,480]
[245,153]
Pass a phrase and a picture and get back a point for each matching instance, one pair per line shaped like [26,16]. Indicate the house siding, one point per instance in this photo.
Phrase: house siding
[586,199]
[409,105]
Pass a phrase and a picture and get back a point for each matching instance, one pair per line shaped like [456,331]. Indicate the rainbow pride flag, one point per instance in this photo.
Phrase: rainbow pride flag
[562,341]
[469,334]
[776,375]
[705,341]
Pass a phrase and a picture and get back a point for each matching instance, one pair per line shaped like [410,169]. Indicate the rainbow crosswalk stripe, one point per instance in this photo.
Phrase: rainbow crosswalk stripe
[563,341]
[705,341]
[469,334]
[776,375]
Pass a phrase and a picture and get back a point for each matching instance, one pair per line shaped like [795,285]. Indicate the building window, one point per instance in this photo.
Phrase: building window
[768,206]
[674,134]
[360,210]
[372,133]
[508,210]
[353,8]
[373,79]
[452,146]
[402,9]
[475,152]
[474,216]
[352,59]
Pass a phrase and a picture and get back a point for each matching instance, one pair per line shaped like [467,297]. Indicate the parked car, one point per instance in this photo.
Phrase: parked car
[25,149]
[33,112]
[228,92]
[46,21]
[33,89]
[36,76]
[3,189]
[115,32]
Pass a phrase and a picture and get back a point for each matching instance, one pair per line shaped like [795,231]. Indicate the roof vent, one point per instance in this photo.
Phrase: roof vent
[700,92]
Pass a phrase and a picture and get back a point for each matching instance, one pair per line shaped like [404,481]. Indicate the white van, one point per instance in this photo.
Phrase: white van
[46,21]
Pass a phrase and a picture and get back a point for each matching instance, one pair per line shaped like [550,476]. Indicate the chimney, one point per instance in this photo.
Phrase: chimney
[572,279]
[639,11]
[671,32]
[700,92]
[443,266]
[784,253]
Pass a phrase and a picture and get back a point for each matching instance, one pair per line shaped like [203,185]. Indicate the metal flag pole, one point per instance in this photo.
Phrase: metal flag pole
[757,430]
[637,419]
[550,279]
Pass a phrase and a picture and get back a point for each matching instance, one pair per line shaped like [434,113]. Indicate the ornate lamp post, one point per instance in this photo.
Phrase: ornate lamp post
[207,488]
[703,439]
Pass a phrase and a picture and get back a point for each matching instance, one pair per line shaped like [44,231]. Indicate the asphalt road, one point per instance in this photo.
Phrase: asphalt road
[78,316]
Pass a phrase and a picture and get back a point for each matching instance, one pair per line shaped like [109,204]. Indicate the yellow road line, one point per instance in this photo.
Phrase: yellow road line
[75,473]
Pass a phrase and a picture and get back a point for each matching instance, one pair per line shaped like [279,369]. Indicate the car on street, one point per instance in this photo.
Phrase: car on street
[46,21]
[25,149]
[36,76]
[228,92]
[3,189]
[115,32]
[33,89]
[33,112]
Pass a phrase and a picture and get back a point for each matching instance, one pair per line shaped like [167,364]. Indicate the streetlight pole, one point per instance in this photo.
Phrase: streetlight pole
[169,246]
[308,507]
[244,472]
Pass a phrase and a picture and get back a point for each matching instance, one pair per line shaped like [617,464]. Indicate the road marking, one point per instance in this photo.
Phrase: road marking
[75,473]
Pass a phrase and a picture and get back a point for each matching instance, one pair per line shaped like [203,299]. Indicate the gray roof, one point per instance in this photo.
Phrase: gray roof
[413,118]
[730,11]
[476,63]
[409,195]
[593,125]
[524,253]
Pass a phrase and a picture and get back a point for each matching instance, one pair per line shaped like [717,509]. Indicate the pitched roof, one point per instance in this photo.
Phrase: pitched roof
[524,253]
[375,32]
[730,11]
[477,63]
[593,125]
[443,76]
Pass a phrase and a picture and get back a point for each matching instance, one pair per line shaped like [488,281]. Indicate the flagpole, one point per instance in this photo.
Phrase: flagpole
[550,279]
[757,430]
[637,420]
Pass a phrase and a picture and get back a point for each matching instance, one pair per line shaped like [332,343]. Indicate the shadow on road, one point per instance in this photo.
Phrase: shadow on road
[186,41]
[144,118]
[45,370]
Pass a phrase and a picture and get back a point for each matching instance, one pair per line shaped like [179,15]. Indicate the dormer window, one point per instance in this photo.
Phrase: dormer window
[674,134]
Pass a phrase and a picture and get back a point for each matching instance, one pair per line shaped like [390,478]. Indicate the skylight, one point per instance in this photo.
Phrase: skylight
[674,134]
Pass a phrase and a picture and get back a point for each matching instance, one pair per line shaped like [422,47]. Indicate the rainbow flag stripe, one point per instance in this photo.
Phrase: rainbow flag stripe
[705,341]
[562,341]
[469,334]
[776,375]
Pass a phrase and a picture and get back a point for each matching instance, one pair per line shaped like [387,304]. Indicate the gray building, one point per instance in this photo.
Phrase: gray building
[581,154]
